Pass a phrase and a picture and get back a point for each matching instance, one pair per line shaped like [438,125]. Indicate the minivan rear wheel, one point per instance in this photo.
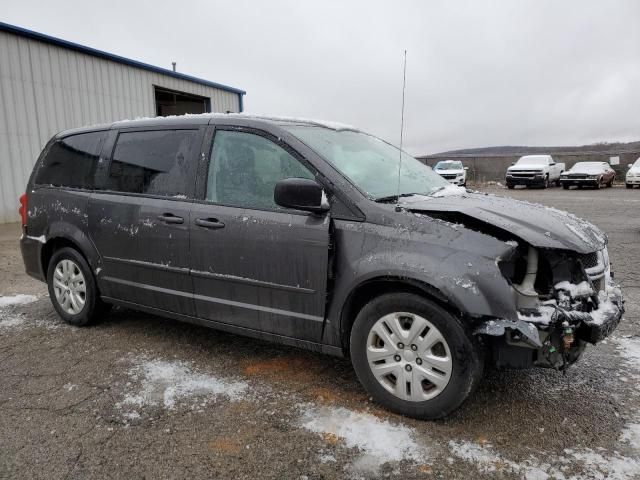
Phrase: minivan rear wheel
[72,288]
[414,357]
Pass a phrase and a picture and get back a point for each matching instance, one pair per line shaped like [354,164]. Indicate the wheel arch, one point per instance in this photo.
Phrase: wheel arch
[365,291]
[57,242]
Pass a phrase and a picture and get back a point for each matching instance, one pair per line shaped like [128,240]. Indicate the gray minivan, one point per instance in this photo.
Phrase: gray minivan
[296,231]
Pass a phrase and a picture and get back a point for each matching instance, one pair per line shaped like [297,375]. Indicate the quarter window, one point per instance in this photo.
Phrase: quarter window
[72,161]
[158,162]
[245,168]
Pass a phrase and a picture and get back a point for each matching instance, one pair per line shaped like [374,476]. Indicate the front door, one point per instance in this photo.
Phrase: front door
[139,222]
[255,264]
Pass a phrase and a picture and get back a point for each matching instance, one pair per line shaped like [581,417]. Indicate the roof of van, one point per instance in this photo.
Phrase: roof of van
[206,118]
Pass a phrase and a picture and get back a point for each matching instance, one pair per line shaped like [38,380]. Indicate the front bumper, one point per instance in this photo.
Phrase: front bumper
[456,181]
[551,337]
[579,181]
[453,180]
[529,181]
[632,180]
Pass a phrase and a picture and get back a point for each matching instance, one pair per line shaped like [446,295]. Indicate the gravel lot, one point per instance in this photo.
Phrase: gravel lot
[141,396]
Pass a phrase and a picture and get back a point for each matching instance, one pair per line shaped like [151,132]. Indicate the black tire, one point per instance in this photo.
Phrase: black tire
[466,353]
[511,187]
[599,184]
[565,186]
[628,185]
[545,184]
[94,307]
[610,183]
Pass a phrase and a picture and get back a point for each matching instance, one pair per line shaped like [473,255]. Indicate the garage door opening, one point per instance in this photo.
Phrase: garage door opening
[172,102]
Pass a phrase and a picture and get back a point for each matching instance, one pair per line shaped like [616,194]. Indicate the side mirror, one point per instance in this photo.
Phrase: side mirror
[300,194]
[552,164]
[629,165]
[513,163]
[466,168]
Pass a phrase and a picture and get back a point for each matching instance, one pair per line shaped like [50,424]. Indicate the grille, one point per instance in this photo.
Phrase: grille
[590,260]
[577,175]
[448,176]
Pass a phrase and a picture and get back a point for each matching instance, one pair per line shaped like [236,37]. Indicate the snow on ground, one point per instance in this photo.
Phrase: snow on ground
[168,383]
[378,441]
[621,463]
[629,350]
[19,299]
[8,319]
[594,464]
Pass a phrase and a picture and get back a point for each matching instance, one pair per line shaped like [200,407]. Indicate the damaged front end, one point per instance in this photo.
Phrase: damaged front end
[564,300]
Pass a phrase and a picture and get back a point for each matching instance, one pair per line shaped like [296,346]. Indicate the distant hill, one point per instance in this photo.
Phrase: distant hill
[616,147]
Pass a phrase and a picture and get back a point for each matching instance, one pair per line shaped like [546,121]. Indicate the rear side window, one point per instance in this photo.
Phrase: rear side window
[72,161]
[158,162]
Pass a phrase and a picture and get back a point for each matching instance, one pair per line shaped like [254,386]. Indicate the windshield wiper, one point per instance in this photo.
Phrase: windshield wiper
[393,198]
[437,189]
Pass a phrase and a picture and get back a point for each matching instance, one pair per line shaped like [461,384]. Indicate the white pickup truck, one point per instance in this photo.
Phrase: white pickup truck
[538,170]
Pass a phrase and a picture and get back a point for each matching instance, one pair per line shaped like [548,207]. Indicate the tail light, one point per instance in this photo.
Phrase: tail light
[23,209]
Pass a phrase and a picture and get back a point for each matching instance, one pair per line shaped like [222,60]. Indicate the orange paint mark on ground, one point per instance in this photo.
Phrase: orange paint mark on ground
[225,445]
[330,438]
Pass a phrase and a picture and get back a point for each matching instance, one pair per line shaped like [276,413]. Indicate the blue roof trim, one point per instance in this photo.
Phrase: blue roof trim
[23,32]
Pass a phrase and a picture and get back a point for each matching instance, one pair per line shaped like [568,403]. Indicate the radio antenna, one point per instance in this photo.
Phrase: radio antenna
[404,83]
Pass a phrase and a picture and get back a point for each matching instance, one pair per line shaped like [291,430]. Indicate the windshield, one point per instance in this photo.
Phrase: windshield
[636,164]
[587,166]
[369,163]
[448,166]
[533,161]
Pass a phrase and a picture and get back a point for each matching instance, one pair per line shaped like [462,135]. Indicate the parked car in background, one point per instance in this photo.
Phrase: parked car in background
[590,174]
[633,174]
[290,230]
[534,170]
[453,171]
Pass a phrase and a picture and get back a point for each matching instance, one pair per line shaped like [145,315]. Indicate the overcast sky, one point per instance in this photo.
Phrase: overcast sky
[478,73]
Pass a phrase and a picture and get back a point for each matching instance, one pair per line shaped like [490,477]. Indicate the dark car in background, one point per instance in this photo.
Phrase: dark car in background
[588,174]
[299,232]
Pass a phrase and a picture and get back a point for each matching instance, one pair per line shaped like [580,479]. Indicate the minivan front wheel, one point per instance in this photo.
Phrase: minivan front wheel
[72,288]
[414,357]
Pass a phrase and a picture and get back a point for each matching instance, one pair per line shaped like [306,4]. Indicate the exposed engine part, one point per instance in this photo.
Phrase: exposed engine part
[567,336]
[526,295]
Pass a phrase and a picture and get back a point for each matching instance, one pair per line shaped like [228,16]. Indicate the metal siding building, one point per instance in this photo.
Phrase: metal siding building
[48,85]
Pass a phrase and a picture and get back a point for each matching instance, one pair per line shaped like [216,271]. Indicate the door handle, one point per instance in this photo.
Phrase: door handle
[170,218]
[212,223]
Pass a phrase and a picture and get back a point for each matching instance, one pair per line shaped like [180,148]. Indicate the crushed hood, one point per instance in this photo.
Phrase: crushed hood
[540,226]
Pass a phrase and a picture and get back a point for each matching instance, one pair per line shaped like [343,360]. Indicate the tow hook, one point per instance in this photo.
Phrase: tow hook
[567,336]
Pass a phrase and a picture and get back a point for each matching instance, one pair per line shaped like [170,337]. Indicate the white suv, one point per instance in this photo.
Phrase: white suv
[633,174]
[453,171]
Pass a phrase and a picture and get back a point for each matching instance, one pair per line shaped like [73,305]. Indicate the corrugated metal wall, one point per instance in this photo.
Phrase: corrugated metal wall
[45,89]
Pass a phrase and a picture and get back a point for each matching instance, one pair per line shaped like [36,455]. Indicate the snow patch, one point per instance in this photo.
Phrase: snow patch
[168,383]
[7,319]
[449,191]
[629,349]
[596,465]
[20,299]
[378,441]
